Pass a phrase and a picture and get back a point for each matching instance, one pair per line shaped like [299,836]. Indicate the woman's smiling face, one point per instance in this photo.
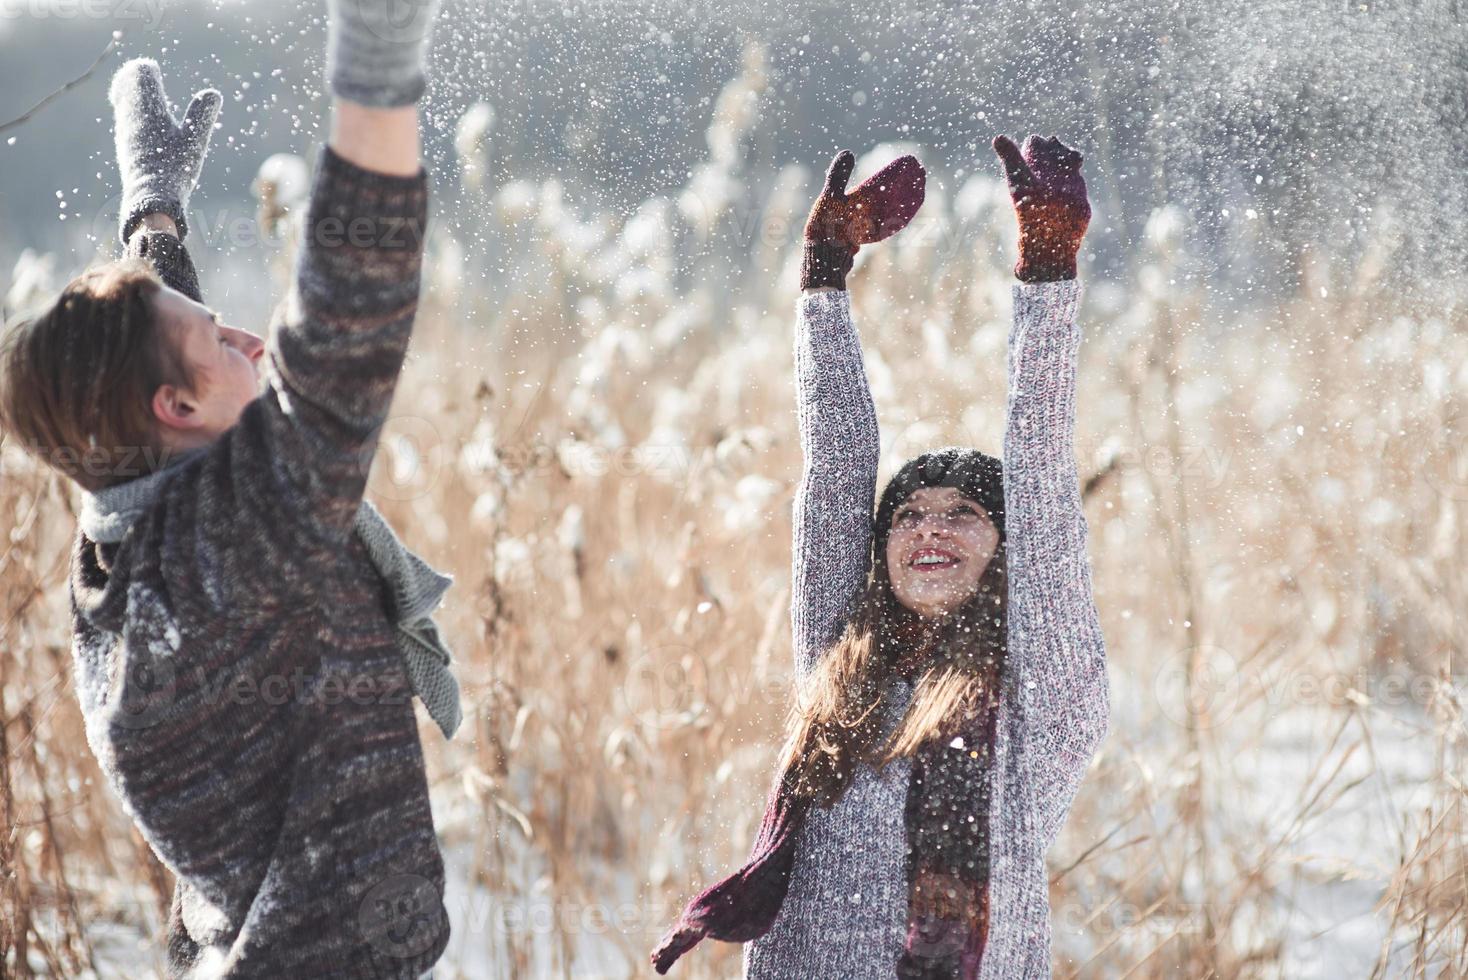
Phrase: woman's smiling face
[939,545]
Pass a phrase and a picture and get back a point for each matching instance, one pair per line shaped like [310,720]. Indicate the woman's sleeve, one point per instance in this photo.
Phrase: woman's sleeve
[840,448]
[1056,669]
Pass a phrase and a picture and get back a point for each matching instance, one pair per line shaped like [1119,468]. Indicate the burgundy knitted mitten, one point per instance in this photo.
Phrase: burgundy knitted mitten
[1050,202]
[841,222]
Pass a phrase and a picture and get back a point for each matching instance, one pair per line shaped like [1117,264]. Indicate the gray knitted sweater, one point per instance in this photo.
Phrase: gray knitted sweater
[239,674]
[846,910]
[415,586]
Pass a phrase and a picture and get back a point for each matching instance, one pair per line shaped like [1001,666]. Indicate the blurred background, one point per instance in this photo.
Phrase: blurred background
[596,434]
[1274,125]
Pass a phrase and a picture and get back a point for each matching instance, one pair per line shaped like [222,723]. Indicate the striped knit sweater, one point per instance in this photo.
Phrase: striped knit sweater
[239,676]
[846,910]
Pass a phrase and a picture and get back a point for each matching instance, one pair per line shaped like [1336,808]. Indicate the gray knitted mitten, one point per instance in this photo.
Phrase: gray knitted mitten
[159,158]
[375,50]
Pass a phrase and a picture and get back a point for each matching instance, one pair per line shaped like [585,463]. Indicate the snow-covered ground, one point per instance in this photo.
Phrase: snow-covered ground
[1328,872]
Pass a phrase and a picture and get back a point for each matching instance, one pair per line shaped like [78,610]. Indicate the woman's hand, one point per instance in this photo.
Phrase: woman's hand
[1050,202]
[159,158]
[842,222]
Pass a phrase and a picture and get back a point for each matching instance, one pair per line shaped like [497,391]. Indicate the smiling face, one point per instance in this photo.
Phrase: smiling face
[939,545]
[224,363]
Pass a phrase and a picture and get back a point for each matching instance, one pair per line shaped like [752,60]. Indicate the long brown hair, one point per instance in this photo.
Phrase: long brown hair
[836,720]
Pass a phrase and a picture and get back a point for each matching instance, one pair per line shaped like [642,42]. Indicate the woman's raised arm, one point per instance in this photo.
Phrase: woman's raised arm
[840,449]
[838,423]
[1057,657]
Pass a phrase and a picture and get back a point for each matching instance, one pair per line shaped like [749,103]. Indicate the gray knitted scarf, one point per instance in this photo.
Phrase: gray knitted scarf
[416,587]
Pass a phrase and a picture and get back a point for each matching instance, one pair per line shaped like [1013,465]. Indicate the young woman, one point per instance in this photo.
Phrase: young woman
[247,630]
[951,665]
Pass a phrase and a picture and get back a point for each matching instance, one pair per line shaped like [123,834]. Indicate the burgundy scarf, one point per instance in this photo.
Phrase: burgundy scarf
[947,821]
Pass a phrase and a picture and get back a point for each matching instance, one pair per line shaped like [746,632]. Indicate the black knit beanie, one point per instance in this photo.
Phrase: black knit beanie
[975,474]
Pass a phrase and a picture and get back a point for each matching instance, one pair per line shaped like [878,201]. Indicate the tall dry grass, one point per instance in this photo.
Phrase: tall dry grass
[600,445]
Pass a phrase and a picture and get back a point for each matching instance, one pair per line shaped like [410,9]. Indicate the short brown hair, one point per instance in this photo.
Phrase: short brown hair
[77,380]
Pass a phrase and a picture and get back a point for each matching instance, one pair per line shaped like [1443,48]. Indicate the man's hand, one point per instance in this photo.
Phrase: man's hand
[159,158]
[841,222]
[1050,202]
[376,49]
[158,221]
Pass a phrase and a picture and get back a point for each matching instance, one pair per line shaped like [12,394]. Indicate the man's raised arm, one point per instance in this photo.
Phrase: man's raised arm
[338,342]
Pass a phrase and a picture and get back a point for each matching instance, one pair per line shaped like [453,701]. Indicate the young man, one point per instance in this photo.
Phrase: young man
[247,630]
